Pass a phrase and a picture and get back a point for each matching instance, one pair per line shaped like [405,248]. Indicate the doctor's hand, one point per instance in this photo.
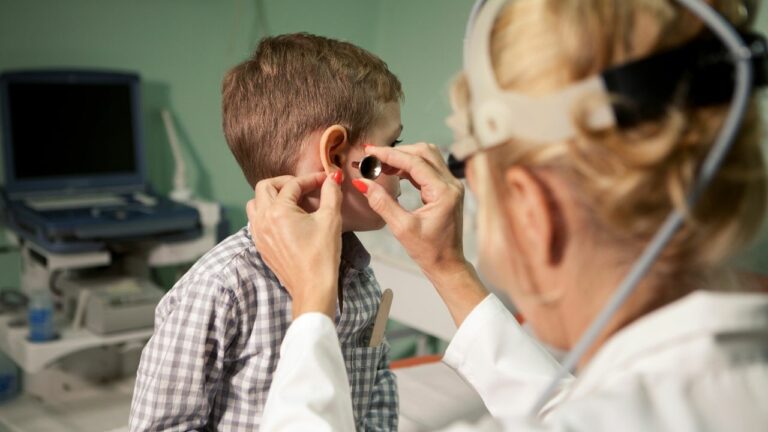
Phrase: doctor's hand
[303,249]
[432,234]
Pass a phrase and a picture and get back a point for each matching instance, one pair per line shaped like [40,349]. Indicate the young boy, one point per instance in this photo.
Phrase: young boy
[300,104]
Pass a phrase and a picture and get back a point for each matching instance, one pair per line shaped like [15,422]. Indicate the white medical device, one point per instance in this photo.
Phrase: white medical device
[181,191]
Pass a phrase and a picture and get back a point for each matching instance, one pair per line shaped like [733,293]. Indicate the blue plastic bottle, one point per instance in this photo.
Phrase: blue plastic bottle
[9,379]
[40,317]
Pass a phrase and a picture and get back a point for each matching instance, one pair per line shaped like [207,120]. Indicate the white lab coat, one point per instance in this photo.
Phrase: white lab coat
[698,364]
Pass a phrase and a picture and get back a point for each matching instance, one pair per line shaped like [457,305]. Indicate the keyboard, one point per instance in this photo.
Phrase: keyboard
[77,201]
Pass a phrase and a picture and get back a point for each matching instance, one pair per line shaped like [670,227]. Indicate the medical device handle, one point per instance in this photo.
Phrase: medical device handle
[181,191]
[741,56]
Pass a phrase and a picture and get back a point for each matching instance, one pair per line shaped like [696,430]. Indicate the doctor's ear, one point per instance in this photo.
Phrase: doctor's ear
[538,215]
[334,144]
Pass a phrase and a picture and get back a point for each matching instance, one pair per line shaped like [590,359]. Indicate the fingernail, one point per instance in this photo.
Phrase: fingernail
[360,185]
[338,176]
[365,146]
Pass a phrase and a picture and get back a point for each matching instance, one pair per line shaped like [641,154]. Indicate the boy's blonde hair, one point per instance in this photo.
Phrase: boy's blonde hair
[627,181]
[296,84]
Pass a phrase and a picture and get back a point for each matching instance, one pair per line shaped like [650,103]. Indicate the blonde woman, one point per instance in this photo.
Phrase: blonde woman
[561,222]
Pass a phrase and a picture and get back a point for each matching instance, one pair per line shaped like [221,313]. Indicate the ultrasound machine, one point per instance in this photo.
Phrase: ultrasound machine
[74,162]
[90,229]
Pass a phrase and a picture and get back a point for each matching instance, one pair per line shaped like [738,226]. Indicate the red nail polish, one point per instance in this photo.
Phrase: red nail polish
[338,177]
[360,185]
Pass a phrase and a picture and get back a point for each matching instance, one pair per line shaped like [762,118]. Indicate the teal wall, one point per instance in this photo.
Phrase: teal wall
[421,42]
[183,47]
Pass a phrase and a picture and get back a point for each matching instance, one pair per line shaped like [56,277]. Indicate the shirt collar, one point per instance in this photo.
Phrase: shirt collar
[352,250]
[699,314]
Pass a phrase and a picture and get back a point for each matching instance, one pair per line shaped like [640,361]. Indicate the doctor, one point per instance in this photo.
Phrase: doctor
[570,194]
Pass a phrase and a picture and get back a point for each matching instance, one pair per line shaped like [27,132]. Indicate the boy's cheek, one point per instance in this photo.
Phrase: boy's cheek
[391,184]
[358,216]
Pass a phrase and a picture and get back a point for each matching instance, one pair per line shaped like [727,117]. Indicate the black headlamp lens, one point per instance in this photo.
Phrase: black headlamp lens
[456,166]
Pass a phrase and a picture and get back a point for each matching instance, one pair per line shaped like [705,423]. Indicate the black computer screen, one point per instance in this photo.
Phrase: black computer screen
[60,129]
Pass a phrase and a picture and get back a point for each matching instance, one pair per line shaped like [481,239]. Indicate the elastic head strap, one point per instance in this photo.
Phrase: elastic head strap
[496,115]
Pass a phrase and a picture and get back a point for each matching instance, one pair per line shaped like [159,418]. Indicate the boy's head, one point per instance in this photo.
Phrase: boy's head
[282,109]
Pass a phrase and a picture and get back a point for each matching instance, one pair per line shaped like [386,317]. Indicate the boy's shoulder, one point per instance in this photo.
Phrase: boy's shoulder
[228,260]
[231,266]
[230,272]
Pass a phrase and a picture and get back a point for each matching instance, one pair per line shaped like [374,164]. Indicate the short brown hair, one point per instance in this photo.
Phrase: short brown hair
[293,85]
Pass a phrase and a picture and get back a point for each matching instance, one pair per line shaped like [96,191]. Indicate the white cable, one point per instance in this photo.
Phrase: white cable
[742,58]
[181,191]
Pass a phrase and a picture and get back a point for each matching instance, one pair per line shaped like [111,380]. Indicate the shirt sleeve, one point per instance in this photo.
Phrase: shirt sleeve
[310,389]
[507,367]
[181,367]
[383,410]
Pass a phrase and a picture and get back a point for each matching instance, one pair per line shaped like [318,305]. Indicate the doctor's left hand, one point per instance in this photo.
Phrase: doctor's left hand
[303,249]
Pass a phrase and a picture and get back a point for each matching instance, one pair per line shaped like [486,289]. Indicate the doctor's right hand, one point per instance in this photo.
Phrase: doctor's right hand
[432,234]
[303,249]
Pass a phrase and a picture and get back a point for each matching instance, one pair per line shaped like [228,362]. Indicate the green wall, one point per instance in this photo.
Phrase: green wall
[421,42]
[183,47]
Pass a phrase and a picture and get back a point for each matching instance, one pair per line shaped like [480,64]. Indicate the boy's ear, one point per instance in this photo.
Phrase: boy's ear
[333,146]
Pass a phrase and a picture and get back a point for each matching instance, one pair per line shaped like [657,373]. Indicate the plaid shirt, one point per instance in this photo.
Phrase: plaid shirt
[217,340]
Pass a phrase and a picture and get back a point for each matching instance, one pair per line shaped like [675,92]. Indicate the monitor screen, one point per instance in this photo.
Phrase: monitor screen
[70,129]
[79,129]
